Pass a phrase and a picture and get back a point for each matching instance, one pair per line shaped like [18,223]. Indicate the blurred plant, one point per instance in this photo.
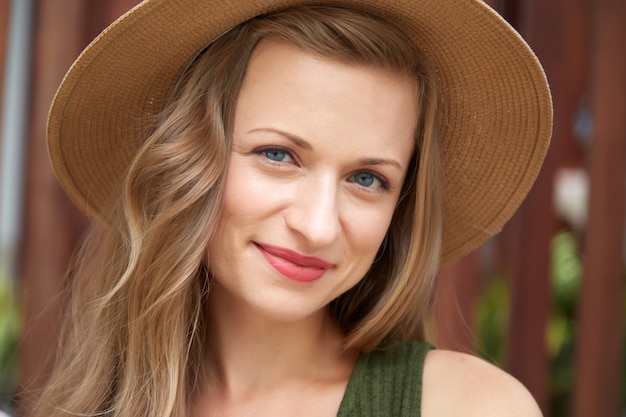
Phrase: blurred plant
[492,320]
[9,334]
[566,276]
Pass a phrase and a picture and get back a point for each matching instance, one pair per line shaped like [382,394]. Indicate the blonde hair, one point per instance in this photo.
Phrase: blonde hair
[134,338]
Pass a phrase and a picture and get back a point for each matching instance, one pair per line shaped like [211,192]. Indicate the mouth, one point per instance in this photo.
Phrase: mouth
[293,265]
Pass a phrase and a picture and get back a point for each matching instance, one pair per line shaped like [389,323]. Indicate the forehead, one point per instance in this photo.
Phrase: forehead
[288,88]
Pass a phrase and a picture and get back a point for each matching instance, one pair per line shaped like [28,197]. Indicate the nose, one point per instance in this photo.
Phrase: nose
[314,211]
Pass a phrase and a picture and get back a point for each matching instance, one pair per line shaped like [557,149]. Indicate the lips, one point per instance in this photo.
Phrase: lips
[293,265]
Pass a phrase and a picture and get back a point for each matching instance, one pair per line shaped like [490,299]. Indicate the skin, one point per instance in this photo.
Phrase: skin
[458,384]
[320,152]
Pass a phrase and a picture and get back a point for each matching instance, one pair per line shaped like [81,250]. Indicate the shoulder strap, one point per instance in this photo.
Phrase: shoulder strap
[387,382]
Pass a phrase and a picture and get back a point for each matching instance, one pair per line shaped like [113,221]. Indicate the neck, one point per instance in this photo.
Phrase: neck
[250,350]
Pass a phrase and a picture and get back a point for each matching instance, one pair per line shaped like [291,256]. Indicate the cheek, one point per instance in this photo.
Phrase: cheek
[236,209]
[367,230]
[245,195]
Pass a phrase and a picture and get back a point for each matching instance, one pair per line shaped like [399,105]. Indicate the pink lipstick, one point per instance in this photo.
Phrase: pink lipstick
[293,265]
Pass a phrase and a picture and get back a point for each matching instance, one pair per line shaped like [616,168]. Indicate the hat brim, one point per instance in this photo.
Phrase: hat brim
[496,110]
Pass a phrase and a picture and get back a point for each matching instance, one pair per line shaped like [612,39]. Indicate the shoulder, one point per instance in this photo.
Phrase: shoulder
[460,384]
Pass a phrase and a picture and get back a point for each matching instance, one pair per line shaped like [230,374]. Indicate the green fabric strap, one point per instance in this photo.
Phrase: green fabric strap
[386,383]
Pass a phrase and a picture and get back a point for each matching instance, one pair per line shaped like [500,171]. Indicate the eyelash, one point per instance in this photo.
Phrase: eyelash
[384,184]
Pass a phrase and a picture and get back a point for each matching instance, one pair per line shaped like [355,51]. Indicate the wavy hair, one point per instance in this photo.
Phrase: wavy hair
[134,336]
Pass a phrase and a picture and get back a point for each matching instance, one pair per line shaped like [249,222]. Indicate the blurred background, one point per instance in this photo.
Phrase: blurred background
[545,299]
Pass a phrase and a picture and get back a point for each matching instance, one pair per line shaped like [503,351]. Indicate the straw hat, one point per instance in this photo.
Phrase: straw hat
[496,112]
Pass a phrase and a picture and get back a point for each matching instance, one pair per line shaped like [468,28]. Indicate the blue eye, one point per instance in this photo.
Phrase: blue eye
[276,154]
[370,180]
[364,178]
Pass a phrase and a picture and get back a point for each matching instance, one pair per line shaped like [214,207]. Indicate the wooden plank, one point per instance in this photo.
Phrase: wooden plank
[556,30]
[527,356]
[47,239]
[601,313]
[53,225]
[455,304]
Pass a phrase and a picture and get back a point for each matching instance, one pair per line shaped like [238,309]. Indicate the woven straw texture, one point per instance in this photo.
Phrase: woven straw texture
[496,112]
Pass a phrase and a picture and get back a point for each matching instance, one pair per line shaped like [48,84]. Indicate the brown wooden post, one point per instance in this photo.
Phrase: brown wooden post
[455,304]
[557,31]
[48,239]
[52,224]
[601,312]
[527,356]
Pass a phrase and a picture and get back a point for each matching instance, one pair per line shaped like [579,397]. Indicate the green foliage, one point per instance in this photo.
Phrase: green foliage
[567,271]
[492,319]
[566,276]
[9,335]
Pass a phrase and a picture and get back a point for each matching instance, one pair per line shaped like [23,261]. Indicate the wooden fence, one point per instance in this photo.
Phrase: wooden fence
[582,46]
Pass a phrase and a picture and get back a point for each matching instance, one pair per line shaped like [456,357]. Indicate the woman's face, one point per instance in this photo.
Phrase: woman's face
[320,151]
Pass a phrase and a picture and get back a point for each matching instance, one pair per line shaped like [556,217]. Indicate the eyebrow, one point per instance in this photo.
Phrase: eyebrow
[298,141]
[381,161]
[301,143]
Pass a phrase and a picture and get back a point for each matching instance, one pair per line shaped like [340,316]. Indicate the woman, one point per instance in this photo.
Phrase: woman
[275,186]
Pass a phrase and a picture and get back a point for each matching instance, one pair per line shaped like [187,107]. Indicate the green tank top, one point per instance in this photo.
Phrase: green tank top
[386,383]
